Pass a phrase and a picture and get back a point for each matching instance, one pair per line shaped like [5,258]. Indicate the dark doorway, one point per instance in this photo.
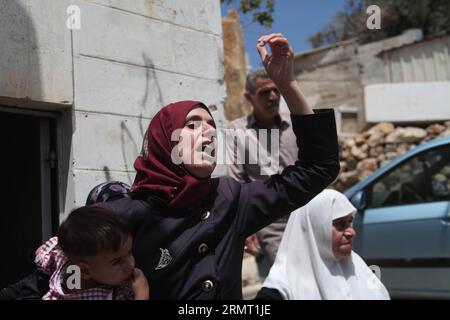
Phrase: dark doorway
[28,173]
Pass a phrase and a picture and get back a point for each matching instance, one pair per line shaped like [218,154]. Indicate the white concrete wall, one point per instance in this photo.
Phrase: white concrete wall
[371,63]
[36,58]
[330,77]
[408,102]
[424,61]
[128,60]
[335,76]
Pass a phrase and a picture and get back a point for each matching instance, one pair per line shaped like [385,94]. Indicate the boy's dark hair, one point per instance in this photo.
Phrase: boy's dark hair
[89,230]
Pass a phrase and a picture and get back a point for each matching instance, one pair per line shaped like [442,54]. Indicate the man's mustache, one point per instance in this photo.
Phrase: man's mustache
[273,104]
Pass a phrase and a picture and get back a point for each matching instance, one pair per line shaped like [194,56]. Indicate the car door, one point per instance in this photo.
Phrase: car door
[406,225]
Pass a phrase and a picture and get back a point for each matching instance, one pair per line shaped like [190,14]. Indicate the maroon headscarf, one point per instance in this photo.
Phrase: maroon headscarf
[156,173]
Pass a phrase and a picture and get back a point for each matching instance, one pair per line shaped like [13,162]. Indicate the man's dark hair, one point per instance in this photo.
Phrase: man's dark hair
[91,229]
[250,85]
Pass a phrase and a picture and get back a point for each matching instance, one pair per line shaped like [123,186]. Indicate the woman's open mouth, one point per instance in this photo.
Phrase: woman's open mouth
[208,149]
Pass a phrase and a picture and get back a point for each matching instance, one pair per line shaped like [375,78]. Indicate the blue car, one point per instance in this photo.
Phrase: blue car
[403,221]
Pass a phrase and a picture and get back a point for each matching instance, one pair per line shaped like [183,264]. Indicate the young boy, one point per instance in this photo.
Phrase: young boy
[91,259]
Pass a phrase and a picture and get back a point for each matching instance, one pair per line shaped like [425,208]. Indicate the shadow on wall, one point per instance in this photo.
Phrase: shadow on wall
[19,63]
[128,143]
[126,136]
[21,175]
[151,79]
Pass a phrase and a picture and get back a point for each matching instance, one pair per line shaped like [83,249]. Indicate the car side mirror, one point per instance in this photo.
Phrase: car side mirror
[359,200]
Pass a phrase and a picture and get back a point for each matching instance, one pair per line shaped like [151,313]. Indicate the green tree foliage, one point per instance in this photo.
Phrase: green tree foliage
[432,16]
[262,11]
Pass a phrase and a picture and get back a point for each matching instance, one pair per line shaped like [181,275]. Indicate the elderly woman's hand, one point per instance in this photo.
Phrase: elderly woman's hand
[252,245]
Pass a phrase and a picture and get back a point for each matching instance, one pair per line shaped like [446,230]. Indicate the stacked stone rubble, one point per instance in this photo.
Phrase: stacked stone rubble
[363,153]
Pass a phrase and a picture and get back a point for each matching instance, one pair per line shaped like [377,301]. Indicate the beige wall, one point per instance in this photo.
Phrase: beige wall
[329,78]
[336,76]
[235,67]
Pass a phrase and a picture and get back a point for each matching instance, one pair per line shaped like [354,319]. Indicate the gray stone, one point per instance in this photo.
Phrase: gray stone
[349,178]
[406,135]
[382,128]
[369,164]
[376,151]
[391,155]
[358,153]
[440,177]
[390,147]
[435,129]
[351,163]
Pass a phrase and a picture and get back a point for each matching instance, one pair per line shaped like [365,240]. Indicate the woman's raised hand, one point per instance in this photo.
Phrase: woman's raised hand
[279,65]
[280,62]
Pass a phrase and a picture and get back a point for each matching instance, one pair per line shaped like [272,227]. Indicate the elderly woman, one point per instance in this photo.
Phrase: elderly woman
[315,260]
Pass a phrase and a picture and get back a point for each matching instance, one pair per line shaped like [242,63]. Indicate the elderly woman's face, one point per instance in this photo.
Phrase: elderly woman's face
[198,143]
[342,236]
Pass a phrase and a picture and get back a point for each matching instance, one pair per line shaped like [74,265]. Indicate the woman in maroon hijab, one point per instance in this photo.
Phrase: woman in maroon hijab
[189,228]
[177,171]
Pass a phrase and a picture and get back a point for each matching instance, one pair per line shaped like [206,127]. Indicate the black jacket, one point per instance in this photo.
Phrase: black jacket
[198,254]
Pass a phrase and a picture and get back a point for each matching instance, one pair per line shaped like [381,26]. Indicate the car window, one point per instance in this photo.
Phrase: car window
[439,162]
[422,178]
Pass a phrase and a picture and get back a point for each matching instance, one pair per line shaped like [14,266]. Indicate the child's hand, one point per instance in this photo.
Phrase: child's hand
[139,285]
[252,245]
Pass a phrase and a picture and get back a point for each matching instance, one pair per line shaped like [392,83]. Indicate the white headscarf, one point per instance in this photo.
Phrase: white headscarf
[305,267]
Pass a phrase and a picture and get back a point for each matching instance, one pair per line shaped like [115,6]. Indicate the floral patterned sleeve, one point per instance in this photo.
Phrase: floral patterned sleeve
[46,256]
